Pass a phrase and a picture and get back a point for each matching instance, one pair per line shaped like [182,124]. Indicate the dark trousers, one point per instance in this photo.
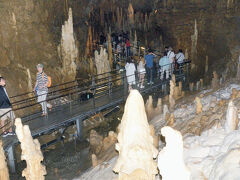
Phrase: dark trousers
[149,74]
[128,51]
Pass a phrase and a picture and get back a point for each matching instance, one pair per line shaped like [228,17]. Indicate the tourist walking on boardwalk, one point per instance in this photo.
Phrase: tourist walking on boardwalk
[130,73]
[128,48]
[141,71]
[180,59]
[164,64]
[6,112]
[149,66]
[41,87]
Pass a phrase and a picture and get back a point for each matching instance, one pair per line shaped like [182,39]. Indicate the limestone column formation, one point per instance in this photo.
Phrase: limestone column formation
[31,153]
[135,45]
[170,159]
[194,39]
[206,65]
[102,62]
[135,143]
[231,118]
[89,46]
[4,175]
[67,50]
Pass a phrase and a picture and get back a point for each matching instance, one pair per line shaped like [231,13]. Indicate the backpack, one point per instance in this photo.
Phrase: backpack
[49,80]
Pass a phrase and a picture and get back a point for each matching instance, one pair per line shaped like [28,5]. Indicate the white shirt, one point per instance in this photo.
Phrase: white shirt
[180,57]
[141,67]
[171,56]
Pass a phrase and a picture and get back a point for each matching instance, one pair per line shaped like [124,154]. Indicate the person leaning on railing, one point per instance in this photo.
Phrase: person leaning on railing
[5,109]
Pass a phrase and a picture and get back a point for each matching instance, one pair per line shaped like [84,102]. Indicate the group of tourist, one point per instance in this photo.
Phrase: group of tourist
[41,89]
[164,67]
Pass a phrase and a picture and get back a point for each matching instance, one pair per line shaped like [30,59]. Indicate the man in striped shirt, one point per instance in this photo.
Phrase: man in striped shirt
[41,87]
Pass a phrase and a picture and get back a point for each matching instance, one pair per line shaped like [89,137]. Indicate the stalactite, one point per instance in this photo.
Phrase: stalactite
[135,154]
[101,12]
[4,175]
[31,153]
[89,46]
[130,14]
[186,54]
[135,44]
[67,50]
[170,159]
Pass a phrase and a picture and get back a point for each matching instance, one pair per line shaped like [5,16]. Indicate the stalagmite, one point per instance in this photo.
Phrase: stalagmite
[135,143]
[215,80]
[102,62]
[198,105]
[197,86]
[171,120]
[170,159]
[31,153]
[186,54]
[231,118]
[155,137]
[191,86]
[171,95]
[149,107]
[110,51]
[67,50]
[201,83]
[159,106]
[206,65]
[165,111]
[234,93]
[96,142]
[94,160]
[4,175]
[238,69]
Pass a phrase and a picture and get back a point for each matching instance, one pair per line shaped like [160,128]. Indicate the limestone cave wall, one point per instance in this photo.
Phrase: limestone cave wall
[30,32]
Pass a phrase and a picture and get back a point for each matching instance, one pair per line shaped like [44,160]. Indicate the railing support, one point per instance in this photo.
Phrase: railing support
[11,159]
[79,125]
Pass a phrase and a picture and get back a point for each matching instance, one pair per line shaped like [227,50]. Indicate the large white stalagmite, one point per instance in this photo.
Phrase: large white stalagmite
[4,175]
[102,62]
[67,50]
[170,159]
[31,153]
[135,143]
[231,118]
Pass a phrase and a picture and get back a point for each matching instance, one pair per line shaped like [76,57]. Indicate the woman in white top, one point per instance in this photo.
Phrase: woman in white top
[130,73]
[141,71]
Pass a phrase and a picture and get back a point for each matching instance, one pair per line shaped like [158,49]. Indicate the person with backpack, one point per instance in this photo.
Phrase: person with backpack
[41,87]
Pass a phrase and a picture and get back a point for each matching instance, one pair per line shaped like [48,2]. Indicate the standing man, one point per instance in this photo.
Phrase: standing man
[41,87]
[149,66]
[171,56]
[164,63]
[6,112]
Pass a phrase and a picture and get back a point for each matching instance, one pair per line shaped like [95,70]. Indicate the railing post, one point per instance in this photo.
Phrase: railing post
[109,85]
[93,90]
[79,125]
[11,159]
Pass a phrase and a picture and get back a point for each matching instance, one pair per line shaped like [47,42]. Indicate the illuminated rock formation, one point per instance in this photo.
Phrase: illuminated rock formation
[231,118]
[149,107]
[4,175]
[170,159]
[198,105]
[31,153]
[110,55]
[135,143]
[171,95]
[215,80]
[94,160]
[130,14]
[102,62]
[67,50]
[96,142]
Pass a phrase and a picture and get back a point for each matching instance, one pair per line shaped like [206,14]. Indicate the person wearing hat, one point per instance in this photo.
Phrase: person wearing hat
[41,87]
[5,109]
